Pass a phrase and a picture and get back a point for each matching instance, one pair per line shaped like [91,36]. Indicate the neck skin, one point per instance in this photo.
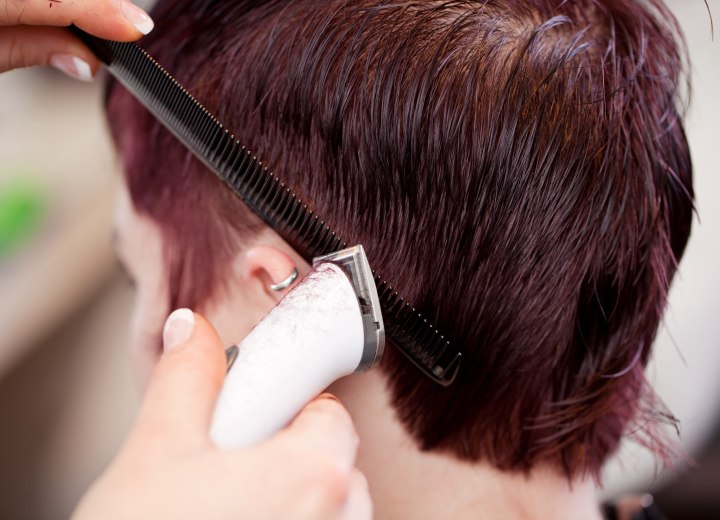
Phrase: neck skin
[407,483]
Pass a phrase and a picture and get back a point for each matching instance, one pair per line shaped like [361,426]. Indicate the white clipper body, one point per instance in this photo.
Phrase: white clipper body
[327,327]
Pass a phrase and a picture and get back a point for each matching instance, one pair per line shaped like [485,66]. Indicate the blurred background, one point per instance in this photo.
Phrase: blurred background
[67,392]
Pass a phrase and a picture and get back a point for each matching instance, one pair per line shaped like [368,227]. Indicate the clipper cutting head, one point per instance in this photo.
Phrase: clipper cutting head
[354,263]
[260,189]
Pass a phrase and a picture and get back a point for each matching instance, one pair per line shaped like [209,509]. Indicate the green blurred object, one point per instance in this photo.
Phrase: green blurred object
[21,207]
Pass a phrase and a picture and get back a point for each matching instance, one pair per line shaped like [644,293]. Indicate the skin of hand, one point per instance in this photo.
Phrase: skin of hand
[32,32]
[169,467]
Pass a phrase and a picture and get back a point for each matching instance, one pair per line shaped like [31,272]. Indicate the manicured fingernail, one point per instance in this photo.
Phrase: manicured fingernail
[72,66]
[178,328]
[136,16]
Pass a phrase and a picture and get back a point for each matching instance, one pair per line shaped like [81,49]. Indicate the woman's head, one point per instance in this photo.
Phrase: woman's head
[518,170]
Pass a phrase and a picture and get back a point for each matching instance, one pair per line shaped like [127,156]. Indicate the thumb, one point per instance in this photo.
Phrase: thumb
[181,395]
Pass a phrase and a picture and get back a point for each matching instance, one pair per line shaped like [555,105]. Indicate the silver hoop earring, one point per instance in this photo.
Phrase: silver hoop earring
[287,282]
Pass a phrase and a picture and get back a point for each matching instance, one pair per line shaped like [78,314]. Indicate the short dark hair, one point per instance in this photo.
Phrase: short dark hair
[517,169]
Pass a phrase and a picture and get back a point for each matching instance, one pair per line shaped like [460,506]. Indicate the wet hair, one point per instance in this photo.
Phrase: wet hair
[517,169]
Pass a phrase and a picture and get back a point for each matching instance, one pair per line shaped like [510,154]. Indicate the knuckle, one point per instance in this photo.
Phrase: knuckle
[8,12]
[13,53]
[327,487]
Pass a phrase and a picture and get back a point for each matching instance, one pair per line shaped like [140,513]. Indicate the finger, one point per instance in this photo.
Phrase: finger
[359,504]
[27,46]
[117,20]
[181,395]
[322,444]
[324,426]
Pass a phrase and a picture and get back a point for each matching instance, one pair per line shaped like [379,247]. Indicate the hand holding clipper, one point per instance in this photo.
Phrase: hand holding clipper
[327,327]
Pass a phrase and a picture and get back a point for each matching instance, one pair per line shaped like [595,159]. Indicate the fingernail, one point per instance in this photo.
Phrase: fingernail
[178,328]
[328,395]
[136,16]
[72,66]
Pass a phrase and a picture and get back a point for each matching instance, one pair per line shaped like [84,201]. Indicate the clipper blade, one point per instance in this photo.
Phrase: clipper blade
[354,264]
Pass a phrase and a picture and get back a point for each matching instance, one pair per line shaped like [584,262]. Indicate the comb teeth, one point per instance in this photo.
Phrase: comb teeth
[266,195]
[417,338]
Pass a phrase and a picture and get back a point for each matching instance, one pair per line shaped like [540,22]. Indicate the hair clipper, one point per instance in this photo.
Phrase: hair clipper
[326,327]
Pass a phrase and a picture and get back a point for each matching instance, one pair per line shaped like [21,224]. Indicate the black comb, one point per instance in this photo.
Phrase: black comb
[260,189]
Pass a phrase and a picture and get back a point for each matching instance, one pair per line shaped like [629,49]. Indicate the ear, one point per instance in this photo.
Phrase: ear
[248,297]
[265,265]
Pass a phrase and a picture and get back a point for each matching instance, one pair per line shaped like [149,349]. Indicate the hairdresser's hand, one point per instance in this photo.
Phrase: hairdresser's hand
[32,32]
[169,468]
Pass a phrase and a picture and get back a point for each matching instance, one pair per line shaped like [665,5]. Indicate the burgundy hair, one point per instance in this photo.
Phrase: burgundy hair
[517,169]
